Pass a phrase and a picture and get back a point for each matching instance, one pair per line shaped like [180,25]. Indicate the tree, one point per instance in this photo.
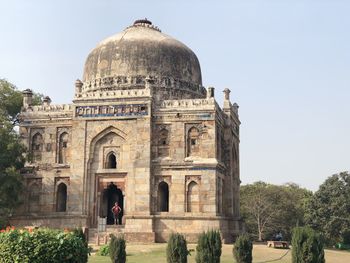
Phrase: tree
[11,102]
[292,207]
[268,209]
[11,150]
[328,211]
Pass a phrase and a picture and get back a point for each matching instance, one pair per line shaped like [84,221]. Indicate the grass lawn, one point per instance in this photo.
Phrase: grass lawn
[155,253]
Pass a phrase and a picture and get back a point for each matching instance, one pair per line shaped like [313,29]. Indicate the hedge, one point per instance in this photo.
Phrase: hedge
[42,245]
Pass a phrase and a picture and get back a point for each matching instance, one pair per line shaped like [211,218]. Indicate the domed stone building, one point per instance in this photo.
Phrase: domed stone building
[141,131]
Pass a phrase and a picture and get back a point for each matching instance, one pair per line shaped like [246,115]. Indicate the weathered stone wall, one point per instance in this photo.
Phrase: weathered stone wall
[182,143]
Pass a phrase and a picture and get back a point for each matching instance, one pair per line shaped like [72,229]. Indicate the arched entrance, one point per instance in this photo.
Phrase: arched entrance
[163,197]
[111,195]
[61,199]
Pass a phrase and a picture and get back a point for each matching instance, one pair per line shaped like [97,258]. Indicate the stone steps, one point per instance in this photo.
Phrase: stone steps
[102,237]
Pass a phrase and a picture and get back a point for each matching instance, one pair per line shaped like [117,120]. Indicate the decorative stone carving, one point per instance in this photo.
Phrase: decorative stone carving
[34,191]
[37,143]
[201,128]
[111,110]
[63,142]
[118,83]
[190,178]
[188,103]
[163,178]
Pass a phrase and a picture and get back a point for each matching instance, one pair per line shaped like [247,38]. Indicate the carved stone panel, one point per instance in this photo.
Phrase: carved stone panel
[63,145]
[34,191]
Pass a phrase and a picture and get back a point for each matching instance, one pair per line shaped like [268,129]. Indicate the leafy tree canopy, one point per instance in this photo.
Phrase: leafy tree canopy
[269,209]
[11,150]
[11,101]
[329,209]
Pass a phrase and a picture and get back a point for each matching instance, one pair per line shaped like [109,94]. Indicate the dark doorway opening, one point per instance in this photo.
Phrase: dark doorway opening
[163,197]
[61,202]
[111,195]
[111,161]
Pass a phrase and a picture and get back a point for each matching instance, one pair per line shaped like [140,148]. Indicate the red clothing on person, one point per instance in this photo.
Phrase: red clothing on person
[116,209]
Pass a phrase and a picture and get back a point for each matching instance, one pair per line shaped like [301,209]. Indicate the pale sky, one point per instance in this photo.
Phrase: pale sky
[287,63]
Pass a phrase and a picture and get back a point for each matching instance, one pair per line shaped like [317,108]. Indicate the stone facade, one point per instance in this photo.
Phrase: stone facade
[143,131]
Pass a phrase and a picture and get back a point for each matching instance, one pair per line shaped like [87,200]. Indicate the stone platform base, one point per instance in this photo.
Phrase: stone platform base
[142,229]
[102,237]
[192,227]
[227,238]
[52,221]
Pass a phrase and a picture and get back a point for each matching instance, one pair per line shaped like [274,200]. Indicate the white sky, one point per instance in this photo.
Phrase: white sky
[286,62]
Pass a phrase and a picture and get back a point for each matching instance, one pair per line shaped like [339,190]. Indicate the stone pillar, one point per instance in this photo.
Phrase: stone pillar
[227,94]
[78,87]
[124,213]
[227,103]
[27,98]
[149,84]
[210,92]
[46,101]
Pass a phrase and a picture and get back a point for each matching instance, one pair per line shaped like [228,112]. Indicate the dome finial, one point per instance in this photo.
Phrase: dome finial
[143,21]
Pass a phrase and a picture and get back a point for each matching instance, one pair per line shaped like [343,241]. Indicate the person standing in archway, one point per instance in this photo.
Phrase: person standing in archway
[116,209]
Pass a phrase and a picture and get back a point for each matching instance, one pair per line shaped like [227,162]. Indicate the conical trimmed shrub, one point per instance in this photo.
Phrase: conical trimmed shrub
[242,251]
[307,246]
[176,251]
[209,247]
[117,250]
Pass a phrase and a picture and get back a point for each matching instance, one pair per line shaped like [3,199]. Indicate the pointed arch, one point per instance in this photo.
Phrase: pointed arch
[96,159]
[63,147]
[163,197]
[163,139]
[193,141]
[61,198]
[193,197]
[111,161]
[103,134]
[163,143]
[37,147]
[34,191]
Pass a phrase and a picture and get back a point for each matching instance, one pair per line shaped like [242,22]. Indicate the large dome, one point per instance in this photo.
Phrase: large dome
[142,50]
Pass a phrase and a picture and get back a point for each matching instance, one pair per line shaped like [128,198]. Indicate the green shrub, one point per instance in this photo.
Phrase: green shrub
[78,232]
[42,245]
[342,246]
[346,237]
[307,246]
[117,249]
[103,251]
[209,247]
[176,251]
[242,251]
